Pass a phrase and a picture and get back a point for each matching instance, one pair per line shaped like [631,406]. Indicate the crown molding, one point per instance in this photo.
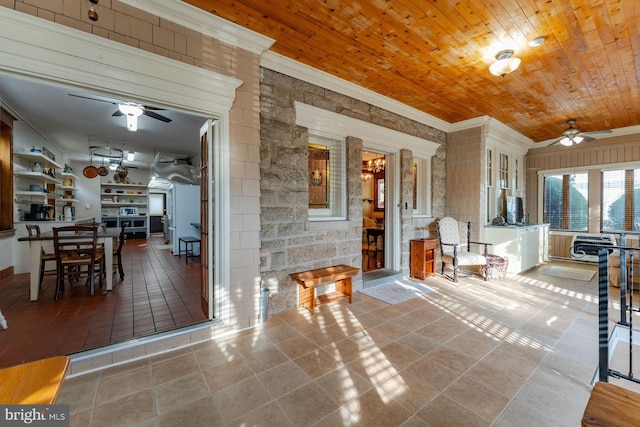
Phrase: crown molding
[204,22]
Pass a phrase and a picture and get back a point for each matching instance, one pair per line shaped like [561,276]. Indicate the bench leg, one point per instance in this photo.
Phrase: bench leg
[344,286]
[307,298]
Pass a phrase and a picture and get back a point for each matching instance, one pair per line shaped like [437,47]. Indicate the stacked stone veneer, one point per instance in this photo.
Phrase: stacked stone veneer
[289,242]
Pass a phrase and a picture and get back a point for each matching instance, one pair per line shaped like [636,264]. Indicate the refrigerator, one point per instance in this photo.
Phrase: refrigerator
[184,215]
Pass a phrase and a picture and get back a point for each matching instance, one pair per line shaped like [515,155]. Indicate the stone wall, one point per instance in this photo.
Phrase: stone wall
[291,243]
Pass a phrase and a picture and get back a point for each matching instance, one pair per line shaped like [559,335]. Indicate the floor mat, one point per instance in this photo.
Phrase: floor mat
[568,272]
[397,291]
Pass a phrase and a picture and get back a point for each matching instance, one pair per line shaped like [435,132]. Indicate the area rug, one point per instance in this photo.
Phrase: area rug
[568,272]
[397,291]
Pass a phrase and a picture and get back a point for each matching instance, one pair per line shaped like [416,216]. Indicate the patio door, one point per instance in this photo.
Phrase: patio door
[206,226]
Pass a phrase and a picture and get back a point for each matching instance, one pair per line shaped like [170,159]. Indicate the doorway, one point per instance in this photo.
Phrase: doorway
[373,211]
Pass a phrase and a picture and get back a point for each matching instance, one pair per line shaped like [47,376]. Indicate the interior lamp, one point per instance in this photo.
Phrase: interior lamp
[132,112]
[569,141]
[505,63]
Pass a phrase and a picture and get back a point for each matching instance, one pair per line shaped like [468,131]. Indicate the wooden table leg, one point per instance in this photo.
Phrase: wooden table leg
[307,297]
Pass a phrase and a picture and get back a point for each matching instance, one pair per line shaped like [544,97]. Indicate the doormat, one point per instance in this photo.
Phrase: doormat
[568,272]
[397,291]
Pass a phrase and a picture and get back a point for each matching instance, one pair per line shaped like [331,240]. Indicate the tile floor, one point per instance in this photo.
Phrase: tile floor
[159,293]
[519,351]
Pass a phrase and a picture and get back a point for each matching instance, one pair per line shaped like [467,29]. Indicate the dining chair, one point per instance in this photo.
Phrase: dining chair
[76,249]
[34,230]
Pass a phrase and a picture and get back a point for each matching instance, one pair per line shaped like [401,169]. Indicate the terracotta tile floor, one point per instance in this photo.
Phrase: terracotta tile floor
[519,351]
[159,292]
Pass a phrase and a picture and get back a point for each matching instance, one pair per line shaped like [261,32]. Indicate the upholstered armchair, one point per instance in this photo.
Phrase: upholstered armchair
[451,248]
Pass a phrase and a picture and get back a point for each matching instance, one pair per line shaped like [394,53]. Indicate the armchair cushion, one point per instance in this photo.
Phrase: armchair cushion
[465,258]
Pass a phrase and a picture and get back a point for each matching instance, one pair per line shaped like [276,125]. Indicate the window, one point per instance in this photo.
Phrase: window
[621,200]
[504,171]
[326,175]
[491,192]
[566,204]
[421,187]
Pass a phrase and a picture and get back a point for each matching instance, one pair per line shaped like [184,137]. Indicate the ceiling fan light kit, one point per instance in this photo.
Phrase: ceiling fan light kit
[505,63]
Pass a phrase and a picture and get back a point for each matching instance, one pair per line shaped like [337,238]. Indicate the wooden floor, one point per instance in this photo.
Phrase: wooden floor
[159,292]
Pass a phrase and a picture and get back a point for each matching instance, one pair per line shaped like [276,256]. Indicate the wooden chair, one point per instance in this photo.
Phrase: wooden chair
[117,249]
[75,249]
[34,229]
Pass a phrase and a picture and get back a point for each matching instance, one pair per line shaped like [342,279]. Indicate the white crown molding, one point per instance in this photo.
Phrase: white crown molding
[204,22]
[496,133]
[289,67]
[374,136]
[36,48]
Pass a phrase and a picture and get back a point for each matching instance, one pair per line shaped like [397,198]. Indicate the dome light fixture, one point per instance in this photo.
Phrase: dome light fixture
[539,41]
[505,63]
[132,112]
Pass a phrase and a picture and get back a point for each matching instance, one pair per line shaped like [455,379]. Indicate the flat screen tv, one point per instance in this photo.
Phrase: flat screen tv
[515,213]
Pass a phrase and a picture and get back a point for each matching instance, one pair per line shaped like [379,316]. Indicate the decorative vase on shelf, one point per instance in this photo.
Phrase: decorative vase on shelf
[37,167]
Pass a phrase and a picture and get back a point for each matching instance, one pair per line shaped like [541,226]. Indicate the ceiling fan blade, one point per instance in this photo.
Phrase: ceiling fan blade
[587,138]
[110,101]
[118,113]
[156,116]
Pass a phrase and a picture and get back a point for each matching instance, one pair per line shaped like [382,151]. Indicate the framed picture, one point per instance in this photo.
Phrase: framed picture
[378,195]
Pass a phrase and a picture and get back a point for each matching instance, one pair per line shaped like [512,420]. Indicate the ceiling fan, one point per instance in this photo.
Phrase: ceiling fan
[131,110]
[573,135]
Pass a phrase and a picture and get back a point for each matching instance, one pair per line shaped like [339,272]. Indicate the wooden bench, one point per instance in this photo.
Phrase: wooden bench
[36,383]
[308,280]
[611,405]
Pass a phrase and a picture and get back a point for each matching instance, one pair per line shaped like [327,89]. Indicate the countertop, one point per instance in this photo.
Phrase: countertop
[514,226]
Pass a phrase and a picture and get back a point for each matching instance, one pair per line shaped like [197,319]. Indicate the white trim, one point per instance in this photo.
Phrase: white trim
[376,137]
[36,48]
[284,65]
[204,22]
[496,134]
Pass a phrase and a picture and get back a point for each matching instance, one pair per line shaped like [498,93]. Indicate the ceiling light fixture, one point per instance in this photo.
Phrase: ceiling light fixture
[537,42]
[130,156]
[505,63]
[132,112]
[568,141]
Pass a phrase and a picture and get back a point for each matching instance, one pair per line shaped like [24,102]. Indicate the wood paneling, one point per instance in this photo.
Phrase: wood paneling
[434,55]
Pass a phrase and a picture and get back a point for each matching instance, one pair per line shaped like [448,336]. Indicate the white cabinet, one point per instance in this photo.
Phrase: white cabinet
[524,246]
[114,196]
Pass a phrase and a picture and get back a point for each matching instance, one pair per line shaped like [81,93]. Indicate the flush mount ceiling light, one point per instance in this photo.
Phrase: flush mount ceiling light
[537,42]
[505,63]
[132,112]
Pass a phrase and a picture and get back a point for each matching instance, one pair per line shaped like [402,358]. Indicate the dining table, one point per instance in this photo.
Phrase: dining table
[105,237]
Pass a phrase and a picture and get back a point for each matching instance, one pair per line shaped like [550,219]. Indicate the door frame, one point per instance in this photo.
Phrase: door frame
[54,54]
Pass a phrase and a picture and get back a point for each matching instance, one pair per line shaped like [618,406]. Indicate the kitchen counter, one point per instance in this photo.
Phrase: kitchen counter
[525,246]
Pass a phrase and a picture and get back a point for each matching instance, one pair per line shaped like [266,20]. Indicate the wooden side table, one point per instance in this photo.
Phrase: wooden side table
[423,258]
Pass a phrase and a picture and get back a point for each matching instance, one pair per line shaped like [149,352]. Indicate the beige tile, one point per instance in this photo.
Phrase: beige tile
[297,346]
[283,378]
[432,373]
[444,329]
[176,367]
[373,367]
[506,383]
[241,398]
[221,376]
[211,355]
[202,412]
[268,415]
[391,330]
[116,386]
[80,396]
[408,391]
[375,409]
[345,350]
[281,333]
[477,397]
[175,394]
[446,413]
[343,384]
[307,405]
[454,360]
[125,411]
[267,358]
[418,343]
[81,418]
[317,363]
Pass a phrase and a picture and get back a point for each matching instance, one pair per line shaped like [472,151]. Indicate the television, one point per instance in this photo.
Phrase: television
[514,211]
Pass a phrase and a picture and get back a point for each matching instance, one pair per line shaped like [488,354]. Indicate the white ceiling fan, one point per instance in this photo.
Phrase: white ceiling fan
[573,135]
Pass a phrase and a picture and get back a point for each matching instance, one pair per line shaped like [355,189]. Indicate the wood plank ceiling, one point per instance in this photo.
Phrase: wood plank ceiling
[435,55]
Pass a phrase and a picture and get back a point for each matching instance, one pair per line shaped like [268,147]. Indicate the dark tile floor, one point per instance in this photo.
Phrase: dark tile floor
[159,292]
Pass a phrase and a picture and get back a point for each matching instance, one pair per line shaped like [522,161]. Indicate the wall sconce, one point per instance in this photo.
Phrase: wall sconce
[505,63]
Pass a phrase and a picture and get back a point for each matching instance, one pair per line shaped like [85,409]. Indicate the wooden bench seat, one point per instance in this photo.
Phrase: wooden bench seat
[611,405]
[36,383]
[308,280]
